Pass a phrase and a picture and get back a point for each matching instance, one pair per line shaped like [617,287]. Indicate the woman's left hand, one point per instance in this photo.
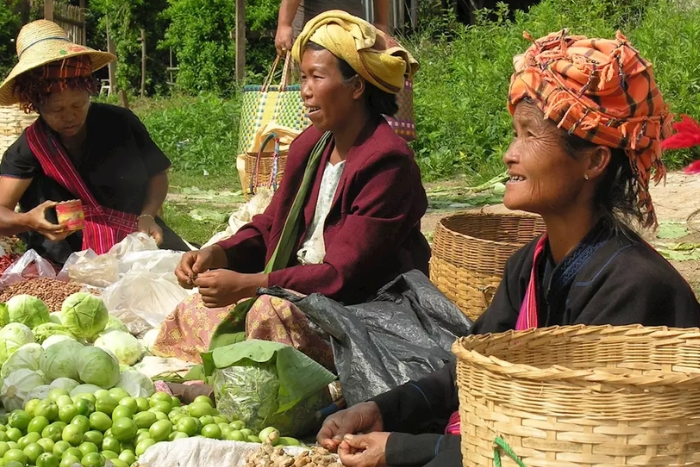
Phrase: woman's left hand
[223,287]
[147,225]
[364,450]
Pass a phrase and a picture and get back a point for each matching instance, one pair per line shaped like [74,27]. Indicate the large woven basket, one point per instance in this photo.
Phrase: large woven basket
[260,167]
[581,396]
[13,121]
[469,253]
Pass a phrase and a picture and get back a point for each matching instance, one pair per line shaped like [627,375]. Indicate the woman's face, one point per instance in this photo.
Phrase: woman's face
[544,177]
[330,101]
[65,111]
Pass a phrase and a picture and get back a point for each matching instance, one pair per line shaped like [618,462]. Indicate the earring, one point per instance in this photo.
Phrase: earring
[585,176]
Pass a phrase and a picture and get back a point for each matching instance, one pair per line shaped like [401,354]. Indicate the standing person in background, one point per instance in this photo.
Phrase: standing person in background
[294,14]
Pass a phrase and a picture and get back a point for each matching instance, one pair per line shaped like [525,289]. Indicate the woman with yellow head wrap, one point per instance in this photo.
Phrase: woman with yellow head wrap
[346,218]
[588,122]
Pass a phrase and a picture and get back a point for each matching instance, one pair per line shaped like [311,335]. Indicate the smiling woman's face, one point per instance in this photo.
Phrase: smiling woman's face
[66,111]
[544,177]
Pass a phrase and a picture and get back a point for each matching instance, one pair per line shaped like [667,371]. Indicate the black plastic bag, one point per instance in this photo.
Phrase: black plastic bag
[406,332]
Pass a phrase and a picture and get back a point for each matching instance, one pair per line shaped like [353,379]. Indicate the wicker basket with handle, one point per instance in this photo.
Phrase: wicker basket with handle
[13,121]
[470,250]
[578,396]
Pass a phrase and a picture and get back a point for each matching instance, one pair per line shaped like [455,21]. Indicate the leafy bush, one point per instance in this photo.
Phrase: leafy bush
[10,24]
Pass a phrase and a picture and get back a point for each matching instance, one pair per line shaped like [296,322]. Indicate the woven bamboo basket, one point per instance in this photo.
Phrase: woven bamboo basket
[581,396]
[13,121]
[259,167]
[469,253]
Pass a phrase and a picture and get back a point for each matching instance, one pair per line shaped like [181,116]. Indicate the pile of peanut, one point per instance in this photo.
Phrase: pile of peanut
[270,456]
[51,291]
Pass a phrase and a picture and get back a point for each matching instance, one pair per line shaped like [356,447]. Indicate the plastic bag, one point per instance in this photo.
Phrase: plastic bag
[89,268]
[268,384]
[30,266]
[404,334]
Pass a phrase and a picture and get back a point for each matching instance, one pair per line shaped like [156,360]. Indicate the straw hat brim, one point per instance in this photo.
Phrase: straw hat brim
[8,96]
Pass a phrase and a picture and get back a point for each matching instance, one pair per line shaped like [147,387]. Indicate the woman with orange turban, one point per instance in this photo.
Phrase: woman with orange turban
[588,122]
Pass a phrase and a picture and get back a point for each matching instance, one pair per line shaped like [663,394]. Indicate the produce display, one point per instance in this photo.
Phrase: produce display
[270,456]
[88,428]
[50,291]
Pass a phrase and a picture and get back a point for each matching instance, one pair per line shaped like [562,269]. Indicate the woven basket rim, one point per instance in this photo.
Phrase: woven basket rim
[441,224]
[561,374]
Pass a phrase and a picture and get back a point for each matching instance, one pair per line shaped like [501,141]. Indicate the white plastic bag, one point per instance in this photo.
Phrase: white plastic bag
[88,268]
[30,265]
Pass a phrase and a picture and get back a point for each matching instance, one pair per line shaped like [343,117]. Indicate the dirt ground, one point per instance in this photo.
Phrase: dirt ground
[676,201]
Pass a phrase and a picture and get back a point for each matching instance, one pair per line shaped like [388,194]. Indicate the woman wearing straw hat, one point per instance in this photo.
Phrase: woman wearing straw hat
[345,220]
[588,121]
[97,153]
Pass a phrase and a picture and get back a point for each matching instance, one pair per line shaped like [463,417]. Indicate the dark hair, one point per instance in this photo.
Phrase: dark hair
[34,91]
[617,195]
[378,102]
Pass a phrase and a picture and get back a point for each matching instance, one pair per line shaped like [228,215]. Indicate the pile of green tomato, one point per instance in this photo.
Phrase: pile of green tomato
[89,429]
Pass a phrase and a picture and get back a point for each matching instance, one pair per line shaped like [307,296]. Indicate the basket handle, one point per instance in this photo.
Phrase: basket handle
[275,166]
[499,444]
[256,167]
[268,79]
[286,71]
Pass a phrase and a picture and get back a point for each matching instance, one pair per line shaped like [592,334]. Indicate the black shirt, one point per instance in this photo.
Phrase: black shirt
[119,160]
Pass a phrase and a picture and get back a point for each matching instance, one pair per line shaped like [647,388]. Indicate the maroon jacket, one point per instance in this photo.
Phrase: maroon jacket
[372,232]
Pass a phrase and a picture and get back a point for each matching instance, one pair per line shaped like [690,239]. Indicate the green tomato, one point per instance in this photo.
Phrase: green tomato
[106,404]
[161,406]
[47,408]
[85,407]
[203,400]
[142,404]
[110,455]
[220,419]
[4,447]
[246,431]
[120,463]
[124,429]
[85,396]
[28,439]
[127,447]
[63,401]
[127,456]
[60,447]
[254,439]
[37,424]
[118,394]
[110,443]
[73,451]
[3,436]
[55,393]
[211,431]
[93,436]
[47,459]
[13,445]
[69,461]
[175,402]
[200,409]
[131,403]
[224,427]
[33,451]
[19,419]
[82,422]
[238,425]
[140,437]
[188,425]
[30,405]
[3,428]
[47,444]
[144,445]
[93,459]
[287,441]
[235,435]
[100,393]
[175,416]
[52,432]
[87,448]
[100,421]
[160,396]
[159,415]
[72,434]
[122,411]
[177,435]
[16,455]
[207,420]
[14,434]
[66,413]
[160,430]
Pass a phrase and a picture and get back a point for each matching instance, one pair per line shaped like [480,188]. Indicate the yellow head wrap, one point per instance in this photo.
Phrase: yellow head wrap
[371,53]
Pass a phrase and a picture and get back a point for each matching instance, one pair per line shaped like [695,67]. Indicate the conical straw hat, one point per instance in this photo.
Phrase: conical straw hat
[41,42]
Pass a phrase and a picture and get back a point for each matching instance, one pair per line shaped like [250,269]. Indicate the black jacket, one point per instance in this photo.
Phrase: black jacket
[623,281]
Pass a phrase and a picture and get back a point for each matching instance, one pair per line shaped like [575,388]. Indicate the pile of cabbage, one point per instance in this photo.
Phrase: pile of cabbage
[81,349]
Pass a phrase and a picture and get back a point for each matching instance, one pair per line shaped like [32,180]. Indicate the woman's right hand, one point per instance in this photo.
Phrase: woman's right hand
[36,221]
[192,264]
[284,38]
[360,418]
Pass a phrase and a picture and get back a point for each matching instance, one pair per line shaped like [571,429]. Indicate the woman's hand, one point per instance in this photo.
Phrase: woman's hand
[36,221]
[360,418]
[192,264]
[147,224]
[364,450]
[224,287]
[283,39]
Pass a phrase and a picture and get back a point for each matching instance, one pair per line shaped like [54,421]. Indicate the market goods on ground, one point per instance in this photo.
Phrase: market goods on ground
[270,456]
[51,291]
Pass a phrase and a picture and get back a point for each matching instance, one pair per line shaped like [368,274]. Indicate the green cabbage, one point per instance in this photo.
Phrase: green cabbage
[27,310]
[85,389]
[4,315]
[56,338]
[46,330]
[84,314]
[39,392]
[64,383]
[115,324]
[61,360]
[55,318]
[12,337]
[136,384]
[98,367]
[17,386]
[26,357]
[123,345]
